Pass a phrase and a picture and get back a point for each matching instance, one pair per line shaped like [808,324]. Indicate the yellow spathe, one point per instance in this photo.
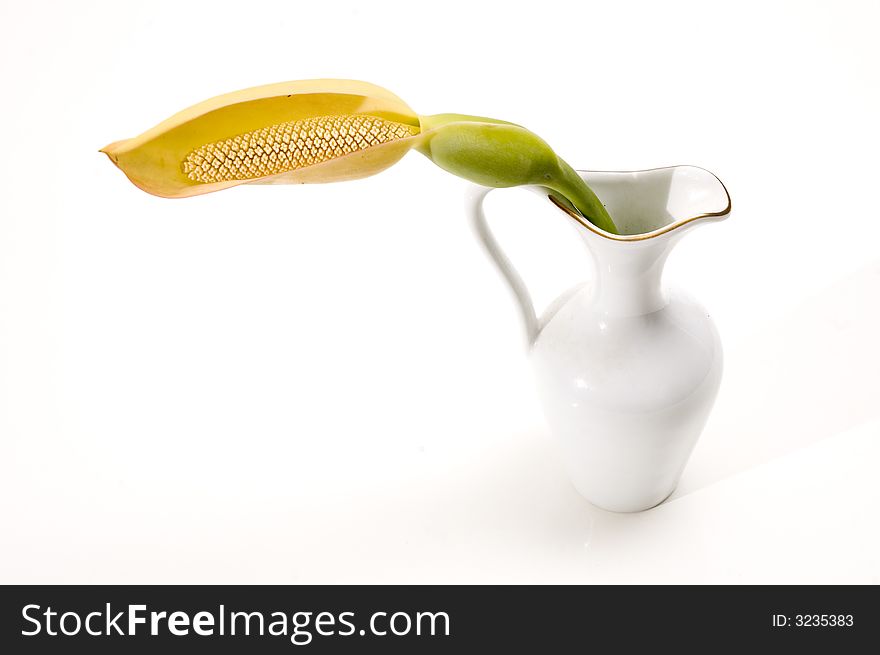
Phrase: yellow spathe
[291,132]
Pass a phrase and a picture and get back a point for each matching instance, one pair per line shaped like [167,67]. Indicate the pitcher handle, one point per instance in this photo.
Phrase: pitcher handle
[474,206]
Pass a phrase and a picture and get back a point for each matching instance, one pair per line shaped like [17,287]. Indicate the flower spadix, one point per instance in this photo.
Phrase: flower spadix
[330,131]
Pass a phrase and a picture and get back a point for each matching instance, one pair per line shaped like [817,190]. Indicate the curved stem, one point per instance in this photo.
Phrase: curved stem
[579,194]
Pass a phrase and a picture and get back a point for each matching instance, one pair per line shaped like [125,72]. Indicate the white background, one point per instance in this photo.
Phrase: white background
[328,383]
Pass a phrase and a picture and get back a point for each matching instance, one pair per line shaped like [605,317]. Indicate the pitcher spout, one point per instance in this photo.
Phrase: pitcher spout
[652,210]
[655,202]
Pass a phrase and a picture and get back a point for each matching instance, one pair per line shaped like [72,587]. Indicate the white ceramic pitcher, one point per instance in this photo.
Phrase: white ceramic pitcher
[627,370]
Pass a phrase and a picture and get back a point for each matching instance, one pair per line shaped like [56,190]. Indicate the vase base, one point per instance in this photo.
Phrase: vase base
[627,509]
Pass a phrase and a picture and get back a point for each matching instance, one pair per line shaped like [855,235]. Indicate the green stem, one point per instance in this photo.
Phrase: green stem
[578,193]
[499,154]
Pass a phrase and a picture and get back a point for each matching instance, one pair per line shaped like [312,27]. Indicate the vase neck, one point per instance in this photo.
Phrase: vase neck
[628,275]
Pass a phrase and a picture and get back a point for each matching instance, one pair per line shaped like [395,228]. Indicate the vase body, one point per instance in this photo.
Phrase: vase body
[627,370]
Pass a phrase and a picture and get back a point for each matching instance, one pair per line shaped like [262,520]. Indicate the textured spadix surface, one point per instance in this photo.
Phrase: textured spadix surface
[334,130]
[288,146]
